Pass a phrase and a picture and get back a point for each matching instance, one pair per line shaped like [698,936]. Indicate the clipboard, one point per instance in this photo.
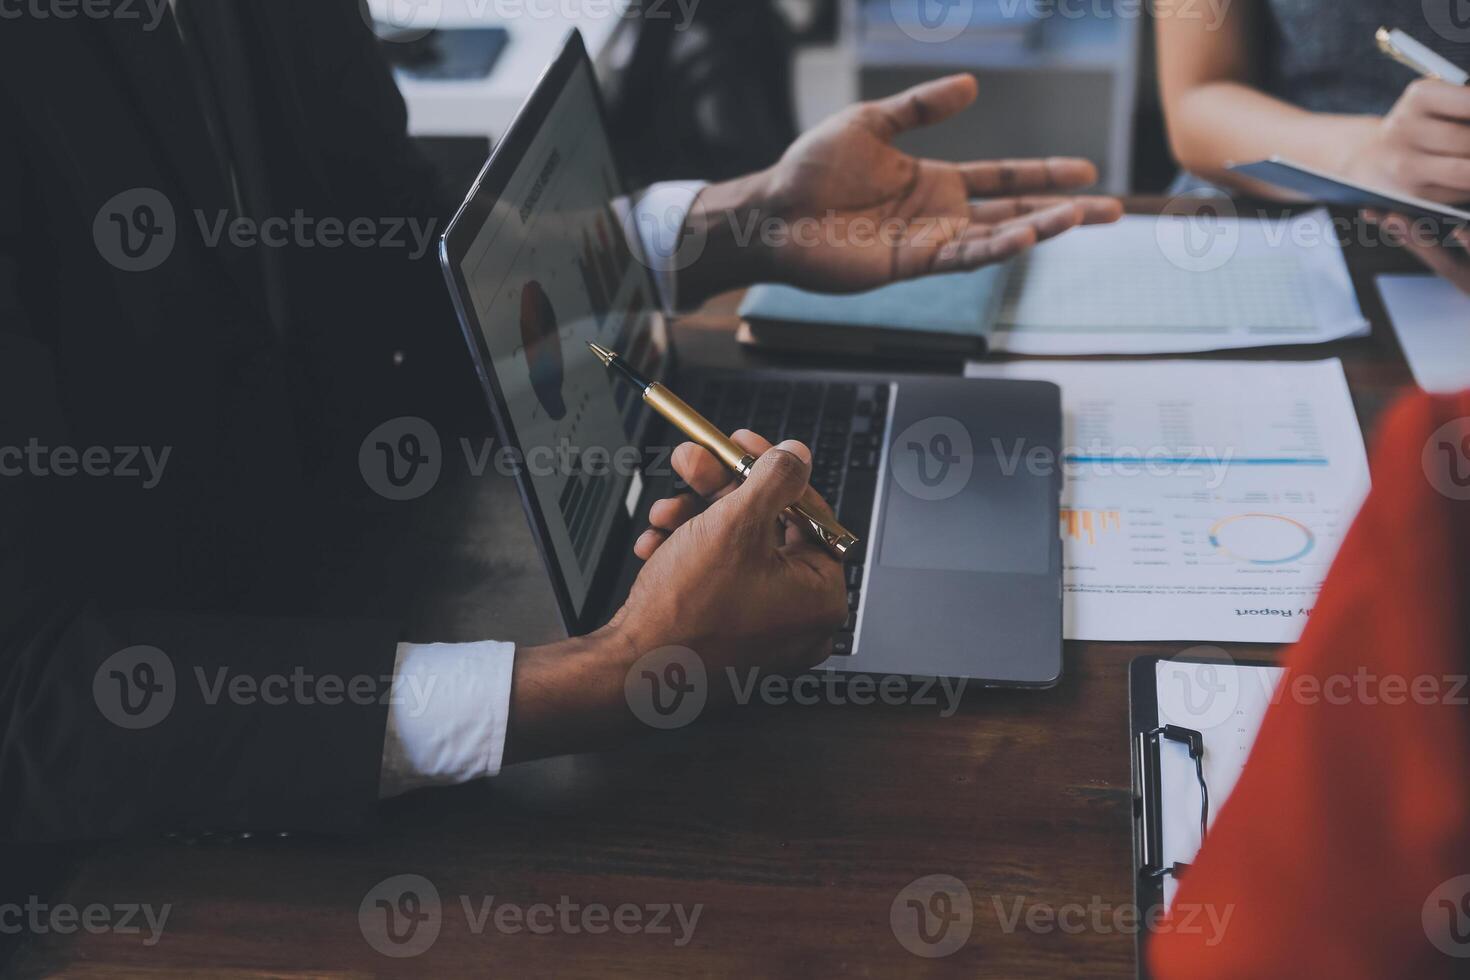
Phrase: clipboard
[1329,189]
[1225,709]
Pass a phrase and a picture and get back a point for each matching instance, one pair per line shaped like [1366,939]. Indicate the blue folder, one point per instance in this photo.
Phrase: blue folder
[960,305]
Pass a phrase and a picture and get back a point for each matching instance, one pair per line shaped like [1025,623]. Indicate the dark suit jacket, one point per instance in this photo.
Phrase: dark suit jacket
[218,566]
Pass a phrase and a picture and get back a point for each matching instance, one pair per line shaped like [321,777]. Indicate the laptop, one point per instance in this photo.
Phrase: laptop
[953,484]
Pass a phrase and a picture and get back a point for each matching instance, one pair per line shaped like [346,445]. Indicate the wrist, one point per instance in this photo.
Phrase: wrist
[568,696]
[615,646]
[726,239]
[1353,142]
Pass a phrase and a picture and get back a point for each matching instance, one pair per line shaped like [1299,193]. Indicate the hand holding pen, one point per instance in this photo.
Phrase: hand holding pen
[727,580]
[1422,145]
[709,482]
[808,512]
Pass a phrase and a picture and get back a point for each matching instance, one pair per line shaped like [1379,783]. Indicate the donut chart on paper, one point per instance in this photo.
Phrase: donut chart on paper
[1262,539]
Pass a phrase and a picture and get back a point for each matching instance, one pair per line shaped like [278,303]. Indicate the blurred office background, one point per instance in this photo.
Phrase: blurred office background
[712,88]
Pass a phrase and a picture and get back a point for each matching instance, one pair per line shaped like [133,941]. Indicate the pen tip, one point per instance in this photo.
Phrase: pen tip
[603,354]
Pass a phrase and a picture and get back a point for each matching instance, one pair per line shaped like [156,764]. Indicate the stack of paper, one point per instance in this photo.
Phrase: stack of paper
[1180,283]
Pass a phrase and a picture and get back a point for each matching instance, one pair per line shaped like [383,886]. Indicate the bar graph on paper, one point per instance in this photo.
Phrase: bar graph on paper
[1083,526]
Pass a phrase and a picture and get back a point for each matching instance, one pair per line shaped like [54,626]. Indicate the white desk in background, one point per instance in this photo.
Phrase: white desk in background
[486,106]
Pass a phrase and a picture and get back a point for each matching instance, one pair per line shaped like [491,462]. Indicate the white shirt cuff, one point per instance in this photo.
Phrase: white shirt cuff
[658,213]
[447,714]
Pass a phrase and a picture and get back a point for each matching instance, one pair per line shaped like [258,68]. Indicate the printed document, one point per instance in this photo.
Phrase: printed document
[1203,500]
[1180,283]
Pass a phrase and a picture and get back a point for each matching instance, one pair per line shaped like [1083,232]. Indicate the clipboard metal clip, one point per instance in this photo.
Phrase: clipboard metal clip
[1151,798]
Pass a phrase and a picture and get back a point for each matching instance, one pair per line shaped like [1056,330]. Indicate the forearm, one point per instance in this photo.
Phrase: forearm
[1217,123]
[568,696]
[1210,77]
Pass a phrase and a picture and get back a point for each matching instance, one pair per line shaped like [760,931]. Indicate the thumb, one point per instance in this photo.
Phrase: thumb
[776,481]
[924,105]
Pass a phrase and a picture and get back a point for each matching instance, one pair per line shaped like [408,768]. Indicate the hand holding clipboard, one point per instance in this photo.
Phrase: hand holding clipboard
[1416,164]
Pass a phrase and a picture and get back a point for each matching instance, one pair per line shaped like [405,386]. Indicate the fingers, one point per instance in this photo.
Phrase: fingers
[1439,176]
[1047,222]
[976,249]
[1095,210]
[706,475]
[1430,140]
[984,245]
[699,468]
[1100,210]
[777,480]
[1440,136]
[922,105]
[669,513]
[1435,257]
[648,542]
[1005,178]
[1006,227]
[1000,209]
[1446,262]
[1436,97]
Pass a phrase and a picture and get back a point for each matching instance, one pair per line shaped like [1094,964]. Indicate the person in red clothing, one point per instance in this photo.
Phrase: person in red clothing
[1344,850]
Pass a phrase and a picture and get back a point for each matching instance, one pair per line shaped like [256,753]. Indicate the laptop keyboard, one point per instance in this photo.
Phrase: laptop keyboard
[843,423]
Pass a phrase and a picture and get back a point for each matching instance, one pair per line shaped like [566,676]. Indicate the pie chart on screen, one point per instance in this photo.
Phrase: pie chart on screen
[543,349]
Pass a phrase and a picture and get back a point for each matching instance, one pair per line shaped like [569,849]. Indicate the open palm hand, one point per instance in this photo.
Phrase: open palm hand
[863,213]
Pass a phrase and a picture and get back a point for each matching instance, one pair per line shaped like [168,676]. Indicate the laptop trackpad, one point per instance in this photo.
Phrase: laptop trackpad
[968,491]
[964,573]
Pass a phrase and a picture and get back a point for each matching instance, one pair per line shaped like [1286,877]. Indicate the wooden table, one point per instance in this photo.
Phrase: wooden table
[794,828]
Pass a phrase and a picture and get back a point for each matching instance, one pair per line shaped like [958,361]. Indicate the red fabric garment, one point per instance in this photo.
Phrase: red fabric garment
[1348,816]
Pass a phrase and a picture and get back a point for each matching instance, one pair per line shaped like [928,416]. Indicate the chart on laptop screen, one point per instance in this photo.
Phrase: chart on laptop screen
[550,270]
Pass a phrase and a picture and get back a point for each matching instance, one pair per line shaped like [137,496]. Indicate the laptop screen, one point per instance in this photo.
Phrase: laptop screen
[548,269]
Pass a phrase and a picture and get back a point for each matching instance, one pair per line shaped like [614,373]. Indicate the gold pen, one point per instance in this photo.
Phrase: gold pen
[806,512]
[1413,54]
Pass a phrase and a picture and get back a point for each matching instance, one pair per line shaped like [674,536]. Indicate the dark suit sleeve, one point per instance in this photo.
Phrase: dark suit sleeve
[118,721]
[346,130]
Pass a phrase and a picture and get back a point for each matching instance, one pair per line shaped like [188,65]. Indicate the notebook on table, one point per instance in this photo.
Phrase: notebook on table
[945,314]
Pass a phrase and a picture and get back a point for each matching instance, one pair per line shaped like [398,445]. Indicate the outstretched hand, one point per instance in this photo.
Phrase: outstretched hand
[846,210]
